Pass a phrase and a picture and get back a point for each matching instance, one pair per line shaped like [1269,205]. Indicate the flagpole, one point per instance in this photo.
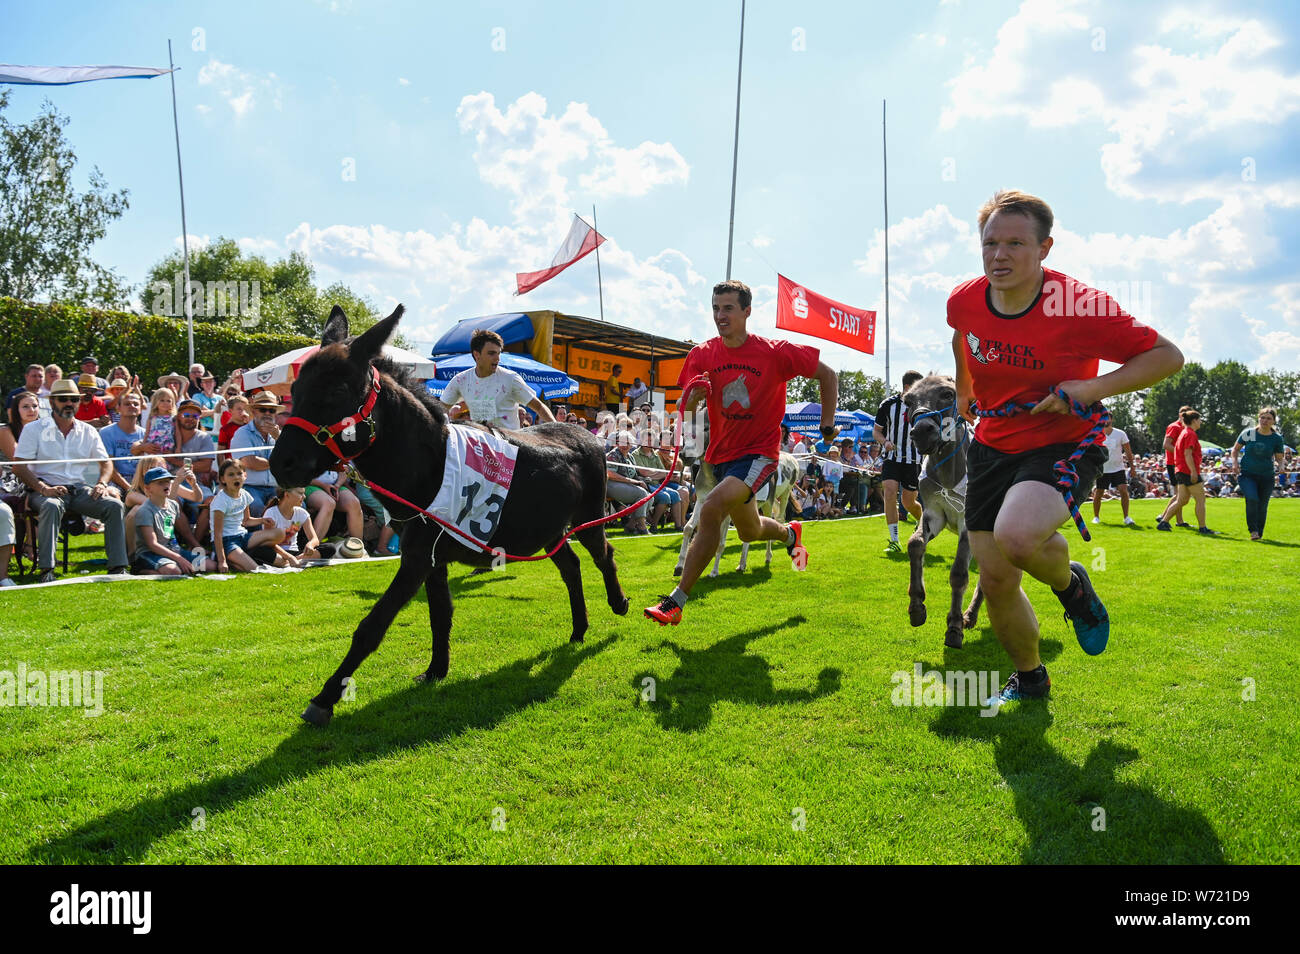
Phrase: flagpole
[884,152]
[735,148]
[180,178]
[599,287]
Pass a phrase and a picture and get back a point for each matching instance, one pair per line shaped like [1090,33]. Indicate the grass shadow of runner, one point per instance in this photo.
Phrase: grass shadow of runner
[1081,814]
[724,671]
[406,719]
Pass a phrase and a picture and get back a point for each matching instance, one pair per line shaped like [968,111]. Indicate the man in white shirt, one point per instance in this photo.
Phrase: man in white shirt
[1116,473]
[57,488]
[636,392]
[489,393]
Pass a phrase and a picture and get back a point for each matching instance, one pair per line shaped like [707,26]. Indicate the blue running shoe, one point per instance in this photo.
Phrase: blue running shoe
[1086,612]
[1013,691]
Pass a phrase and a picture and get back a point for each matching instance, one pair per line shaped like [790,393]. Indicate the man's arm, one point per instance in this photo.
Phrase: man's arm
[1128,454]
[965,387]
[542,410]
[829,384]
[1142,370]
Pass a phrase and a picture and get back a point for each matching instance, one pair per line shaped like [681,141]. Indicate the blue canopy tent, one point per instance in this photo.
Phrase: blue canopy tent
[513,327]
[548,382]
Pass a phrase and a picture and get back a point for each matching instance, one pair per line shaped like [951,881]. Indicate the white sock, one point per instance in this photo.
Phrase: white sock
[893,532]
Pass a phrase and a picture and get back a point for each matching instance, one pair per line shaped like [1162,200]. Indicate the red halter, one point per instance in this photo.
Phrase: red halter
[325,435]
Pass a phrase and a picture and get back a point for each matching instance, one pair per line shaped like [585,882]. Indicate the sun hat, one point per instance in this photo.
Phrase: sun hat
[88,381]
[118,383]
[156,473]
[172,376]
[352,549]
[65,387]
[265,399]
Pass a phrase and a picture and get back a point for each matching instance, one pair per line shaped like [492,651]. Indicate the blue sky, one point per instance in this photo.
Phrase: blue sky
[1163,134]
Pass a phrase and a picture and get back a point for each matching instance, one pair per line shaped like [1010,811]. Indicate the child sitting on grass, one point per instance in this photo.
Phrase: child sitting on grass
[232,523]
[288,515]
[157,552]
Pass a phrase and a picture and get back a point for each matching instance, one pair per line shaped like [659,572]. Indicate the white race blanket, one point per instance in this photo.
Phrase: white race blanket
[476,481]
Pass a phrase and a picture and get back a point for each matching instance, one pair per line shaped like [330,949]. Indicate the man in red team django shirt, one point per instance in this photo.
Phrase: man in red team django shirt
[1021,332]
[746,378]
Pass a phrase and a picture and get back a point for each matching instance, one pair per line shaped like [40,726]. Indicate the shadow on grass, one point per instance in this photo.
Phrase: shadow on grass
[413,717]
[725,671]
[1057,801]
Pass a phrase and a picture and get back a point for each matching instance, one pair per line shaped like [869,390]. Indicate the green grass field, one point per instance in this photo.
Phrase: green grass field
[771,736]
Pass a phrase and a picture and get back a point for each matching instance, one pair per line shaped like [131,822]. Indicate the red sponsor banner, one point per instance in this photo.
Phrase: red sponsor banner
[804,311]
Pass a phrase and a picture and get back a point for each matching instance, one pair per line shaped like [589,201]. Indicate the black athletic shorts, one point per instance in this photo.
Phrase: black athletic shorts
[1185,480]
[1116,479]
[1169,469]
[907,475]
[992,473]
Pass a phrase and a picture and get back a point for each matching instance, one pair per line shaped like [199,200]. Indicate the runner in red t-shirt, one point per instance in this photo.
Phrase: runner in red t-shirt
[1171,440]
[1187,472]
[1021,332]
[746,378]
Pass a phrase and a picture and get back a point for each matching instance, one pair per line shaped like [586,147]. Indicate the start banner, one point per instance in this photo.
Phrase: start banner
[804,311]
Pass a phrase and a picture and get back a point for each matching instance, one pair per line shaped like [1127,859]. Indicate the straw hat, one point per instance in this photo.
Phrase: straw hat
[352,549]
[117,384]
[264,399]
[173,376]
[88,382]
[64,387]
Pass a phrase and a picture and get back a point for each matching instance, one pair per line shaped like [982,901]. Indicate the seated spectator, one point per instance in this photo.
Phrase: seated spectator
[32,381]
[178,383]
[232,522]
[135,493]
[371,504]
[157,551]
[8,536]
[92,408]
[805,503]
[119,438]
[648,467]
[58,488]
[188,493]
[90,365]
[622,484]
[19,414]
[288,515]
[237,414]
[833,470]
[261,432]
[117,387]
[334,496]
[52,373]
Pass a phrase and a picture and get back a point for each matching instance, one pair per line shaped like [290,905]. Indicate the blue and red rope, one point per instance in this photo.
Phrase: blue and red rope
[1067,477]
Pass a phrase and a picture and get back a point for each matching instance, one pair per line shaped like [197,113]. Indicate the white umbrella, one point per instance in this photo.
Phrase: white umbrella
[278,374]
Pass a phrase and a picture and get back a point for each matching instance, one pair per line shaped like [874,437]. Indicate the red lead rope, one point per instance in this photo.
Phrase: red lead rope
[677,446]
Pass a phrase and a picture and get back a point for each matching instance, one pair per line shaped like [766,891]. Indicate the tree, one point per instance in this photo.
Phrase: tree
[1231,400]
[1188,386]
[858,391]
[1281,389]
[46,226]
[228,286]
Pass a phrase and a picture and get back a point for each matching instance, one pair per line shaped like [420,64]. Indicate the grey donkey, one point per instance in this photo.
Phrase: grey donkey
[940,433]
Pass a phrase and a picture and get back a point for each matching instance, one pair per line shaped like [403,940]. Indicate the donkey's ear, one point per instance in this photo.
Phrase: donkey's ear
[336,328]
[366,347]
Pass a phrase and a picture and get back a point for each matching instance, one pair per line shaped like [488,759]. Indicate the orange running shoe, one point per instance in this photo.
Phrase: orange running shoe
[666,613]
[798,552]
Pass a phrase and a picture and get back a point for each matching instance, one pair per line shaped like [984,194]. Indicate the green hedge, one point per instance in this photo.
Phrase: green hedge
[149,345]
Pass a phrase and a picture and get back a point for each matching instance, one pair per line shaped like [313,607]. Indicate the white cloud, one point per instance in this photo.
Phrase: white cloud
[403,81]
[240,89]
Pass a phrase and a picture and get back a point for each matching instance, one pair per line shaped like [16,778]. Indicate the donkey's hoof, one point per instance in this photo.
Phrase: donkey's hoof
[431,676]
[916,614]
[575,638]
[953,639]
[969,620]
[316,715]
[620,609]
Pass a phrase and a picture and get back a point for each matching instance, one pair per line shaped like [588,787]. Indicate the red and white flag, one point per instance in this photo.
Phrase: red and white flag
[798,309]
[581,240]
